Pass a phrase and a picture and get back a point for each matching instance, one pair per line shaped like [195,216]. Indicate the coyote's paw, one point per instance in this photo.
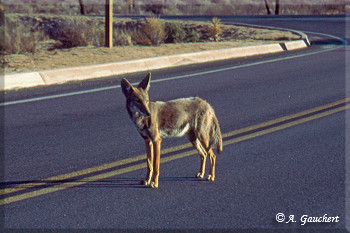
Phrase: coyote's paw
[200,175]
[154,185]
[146,182]
[211,178]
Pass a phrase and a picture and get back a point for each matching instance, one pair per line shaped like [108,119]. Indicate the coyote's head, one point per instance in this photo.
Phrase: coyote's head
[137,98]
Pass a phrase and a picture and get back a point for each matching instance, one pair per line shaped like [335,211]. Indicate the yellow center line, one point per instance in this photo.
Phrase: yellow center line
[285,118]
[165,151]
[88,170]
[166,159]
[286,125]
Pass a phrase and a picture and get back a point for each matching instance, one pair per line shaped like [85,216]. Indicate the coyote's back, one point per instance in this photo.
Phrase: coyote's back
[192,116]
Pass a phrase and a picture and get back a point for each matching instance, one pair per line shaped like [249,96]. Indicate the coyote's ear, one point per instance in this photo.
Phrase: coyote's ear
[127,88]
[145,83]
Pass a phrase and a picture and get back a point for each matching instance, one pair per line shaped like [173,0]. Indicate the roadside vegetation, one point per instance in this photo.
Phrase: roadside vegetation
[215,29]
[44,41]
[57,24]
[28,33]
[37,32]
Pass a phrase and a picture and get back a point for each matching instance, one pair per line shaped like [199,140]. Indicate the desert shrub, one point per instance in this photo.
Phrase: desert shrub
[67,31]
[19,38]
[215,29]
[121,37]
[97,35]
[193,36]
[175,33]
[75,31]
[151,32]
[138,37]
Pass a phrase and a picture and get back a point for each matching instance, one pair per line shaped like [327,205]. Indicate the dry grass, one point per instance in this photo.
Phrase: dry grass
[122,38]
[19,38]
[25,33]
[154,31]
[74,32]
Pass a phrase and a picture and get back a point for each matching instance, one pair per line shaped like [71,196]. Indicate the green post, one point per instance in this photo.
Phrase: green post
[109,23]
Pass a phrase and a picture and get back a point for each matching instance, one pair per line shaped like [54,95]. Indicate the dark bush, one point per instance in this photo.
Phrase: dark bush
[175,33]
[193,36]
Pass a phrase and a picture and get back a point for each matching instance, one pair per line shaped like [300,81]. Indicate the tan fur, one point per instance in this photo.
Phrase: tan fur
[192,116]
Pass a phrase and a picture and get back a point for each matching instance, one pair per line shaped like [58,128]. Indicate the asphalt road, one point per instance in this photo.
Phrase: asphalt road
[294,165]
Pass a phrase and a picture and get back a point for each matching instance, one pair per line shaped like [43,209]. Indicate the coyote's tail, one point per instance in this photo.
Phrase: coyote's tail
[216,135]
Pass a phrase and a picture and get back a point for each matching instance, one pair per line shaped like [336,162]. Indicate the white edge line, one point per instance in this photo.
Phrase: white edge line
[170,78]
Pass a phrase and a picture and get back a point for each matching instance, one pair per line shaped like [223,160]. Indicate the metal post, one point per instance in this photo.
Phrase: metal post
[109,23]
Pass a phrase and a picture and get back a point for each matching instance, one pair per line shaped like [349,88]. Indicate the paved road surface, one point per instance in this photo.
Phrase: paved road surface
[75,162]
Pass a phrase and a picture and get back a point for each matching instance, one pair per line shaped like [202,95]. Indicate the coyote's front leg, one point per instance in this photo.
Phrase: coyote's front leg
[156,162]
[149,149]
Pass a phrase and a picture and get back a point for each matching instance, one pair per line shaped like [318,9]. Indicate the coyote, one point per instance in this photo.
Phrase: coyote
[156,120]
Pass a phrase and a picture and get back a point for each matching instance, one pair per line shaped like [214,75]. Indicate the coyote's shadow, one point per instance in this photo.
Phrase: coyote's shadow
[86,183]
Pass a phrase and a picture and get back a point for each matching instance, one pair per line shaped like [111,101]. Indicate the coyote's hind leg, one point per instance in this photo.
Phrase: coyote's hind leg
[212,158]
[201,151]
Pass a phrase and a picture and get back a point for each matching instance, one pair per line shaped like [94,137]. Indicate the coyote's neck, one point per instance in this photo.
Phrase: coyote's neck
[139,121]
